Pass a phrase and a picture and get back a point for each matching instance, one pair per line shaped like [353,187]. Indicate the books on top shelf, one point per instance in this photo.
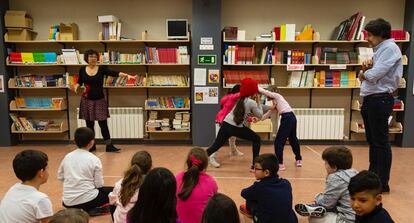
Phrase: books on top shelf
[350,29]
[30,80]
[111,27]
[32,58]
[233,77]
[312,78]
[230,33]
[137,80]
[168,102]
[167,80]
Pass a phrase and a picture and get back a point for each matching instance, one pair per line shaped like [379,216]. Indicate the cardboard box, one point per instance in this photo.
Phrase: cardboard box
[19,34]
[19,19]
[68,32]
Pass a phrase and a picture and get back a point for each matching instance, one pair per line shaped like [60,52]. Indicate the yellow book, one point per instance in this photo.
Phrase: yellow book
[27,58]
[283,32]
[352,78]
[322,78]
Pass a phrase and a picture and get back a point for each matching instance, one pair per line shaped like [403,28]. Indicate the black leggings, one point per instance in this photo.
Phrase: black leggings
[100,200]
[103,125]
[226,131]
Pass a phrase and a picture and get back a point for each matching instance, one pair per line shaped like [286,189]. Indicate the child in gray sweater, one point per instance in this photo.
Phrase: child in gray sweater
[333,205]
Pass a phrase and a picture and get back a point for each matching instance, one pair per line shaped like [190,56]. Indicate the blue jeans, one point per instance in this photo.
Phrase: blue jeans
[375,111]
[287,130]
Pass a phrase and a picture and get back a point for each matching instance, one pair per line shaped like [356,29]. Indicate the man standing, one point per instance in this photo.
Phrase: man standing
[380,78]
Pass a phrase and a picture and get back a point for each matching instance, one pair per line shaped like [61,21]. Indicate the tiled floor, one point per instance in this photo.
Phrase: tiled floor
[234,173]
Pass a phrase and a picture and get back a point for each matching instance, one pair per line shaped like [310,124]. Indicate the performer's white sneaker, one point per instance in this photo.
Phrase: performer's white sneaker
[235,152]
[213,162]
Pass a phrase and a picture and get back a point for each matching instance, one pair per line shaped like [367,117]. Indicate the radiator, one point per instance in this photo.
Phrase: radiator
[319,123]
[124,123]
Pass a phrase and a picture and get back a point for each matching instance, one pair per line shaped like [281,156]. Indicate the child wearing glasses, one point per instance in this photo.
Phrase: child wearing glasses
[270,197]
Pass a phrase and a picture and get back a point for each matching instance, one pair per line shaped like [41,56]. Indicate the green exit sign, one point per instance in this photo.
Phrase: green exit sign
[207,59]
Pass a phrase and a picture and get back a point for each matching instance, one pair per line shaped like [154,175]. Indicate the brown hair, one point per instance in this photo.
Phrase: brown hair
[197,161]
[70,215]
[338,157]
[239,111]
[133,178]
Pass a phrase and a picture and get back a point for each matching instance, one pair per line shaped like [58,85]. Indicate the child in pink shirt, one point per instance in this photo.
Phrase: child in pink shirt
[194,187]
[287,127]
[227,103]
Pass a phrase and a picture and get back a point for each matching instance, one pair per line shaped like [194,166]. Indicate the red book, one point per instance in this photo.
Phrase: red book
[16,57]
[277,33]
[355,23]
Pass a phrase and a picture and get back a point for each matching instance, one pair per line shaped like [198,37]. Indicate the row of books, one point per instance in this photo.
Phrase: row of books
[37,102]
[235,54]
[323,78]
[233,77]
[30,80]
[168,102]
[154,55]
[137,80]
[23,123]
[168,80]
[30,57]
[115,57]
[333,55]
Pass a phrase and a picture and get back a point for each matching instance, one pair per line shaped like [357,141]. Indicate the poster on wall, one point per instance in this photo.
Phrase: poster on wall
[206,95]
[213,76]
[200,76]
[1,83]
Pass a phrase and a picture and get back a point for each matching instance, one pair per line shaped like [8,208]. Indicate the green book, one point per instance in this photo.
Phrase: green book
[39,57]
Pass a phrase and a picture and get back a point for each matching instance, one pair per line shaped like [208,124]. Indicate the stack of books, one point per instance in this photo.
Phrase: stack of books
[181,121]
[111,27]
[71,56]
[235,54]
[165,124]
[365,53]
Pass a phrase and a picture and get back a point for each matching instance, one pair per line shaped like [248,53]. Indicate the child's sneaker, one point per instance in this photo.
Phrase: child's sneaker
[213,162]
[245,212]
[282,167]
[298,163]
[311,210]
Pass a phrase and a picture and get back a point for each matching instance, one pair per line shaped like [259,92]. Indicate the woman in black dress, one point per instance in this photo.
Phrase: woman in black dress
[93,105]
